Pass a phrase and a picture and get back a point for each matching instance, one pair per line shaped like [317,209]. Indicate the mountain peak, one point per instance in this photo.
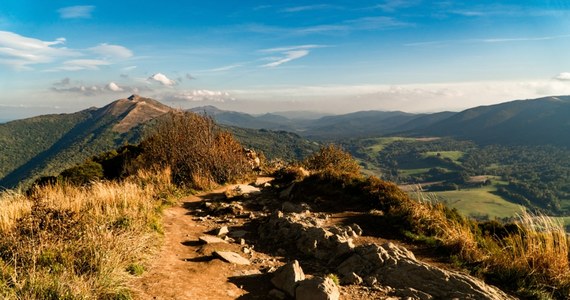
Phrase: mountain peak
[135,97]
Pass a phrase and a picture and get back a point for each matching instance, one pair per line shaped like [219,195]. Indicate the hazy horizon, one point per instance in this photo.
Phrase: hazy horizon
[330,57]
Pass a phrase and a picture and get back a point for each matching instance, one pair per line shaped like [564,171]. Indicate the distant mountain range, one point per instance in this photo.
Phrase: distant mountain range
[47,144]
[521,122]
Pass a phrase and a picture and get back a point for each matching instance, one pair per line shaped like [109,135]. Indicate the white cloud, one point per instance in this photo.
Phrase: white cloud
[112,51]
[564,76]
[96,89]
[19,51]
[114,87]
[225,68]
[83,64]
[162,79]
[76,12]
[288,54]
[200,96]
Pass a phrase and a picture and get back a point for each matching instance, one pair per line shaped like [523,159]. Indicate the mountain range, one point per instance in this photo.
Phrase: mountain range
[520,122]
[45,145]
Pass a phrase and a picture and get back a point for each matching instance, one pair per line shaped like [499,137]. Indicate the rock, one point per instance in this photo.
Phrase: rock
[222,231]
[286,277]
[209,239]
[277,294]
[237,234]
[351,278]
[286,193]
[317,288]
[289,207]
[232,257]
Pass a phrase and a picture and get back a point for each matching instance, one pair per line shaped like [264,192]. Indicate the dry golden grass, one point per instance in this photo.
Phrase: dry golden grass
[65,242]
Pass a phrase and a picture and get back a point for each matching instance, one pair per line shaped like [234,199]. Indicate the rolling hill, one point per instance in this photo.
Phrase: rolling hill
[358,124]
[542,121]
[46,144]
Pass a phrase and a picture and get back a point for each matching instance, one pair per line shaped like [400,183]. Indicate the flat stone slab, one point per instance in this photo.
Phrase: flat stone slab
[210,239]
[232,257]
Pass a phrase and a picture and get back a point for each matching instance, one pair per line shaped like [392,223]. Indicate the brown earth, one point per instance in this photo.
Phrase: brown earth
[184,268]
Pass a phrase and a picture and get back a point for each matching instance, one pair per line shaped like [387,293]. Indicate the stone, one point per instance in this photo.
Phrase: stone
[352,278]
[289,207]
[210,239]
[277,294]
[317,288]
[232,257]
[222,231]
[287,276]
[237,234]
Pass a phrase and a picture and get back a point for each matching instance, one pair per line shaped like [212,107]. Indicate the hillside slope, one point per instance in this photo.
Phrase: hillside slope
[48,144]
[523,122]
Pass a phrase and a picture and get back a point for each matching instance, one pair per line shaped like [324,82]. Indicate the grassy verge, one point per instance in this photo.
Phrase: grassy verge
[67,242]
[528,257]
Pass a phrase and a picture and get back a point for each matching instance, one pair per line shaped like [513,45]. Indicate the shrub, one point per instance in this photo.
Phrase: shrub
[332,159]
[199,154]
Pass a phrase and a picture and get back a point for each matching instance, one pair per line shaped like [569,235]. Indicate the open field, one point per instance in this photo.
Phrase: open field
[452,155]
[479,202]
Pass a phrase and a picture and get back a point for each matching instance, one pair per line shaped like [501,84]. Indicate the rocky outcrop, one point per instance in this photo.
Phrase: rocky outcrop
[386,265]
[317,288]
[287,277]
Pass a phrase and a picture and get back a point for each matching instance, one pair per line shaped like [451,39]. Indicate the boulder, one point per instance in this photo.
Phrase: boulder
[287,277]
[317,288]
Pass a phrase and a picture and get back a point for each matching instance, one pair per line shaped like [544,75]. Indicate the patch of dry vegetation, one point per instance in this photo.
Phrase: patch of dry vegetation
[68,242]
[529,257]
[199,153]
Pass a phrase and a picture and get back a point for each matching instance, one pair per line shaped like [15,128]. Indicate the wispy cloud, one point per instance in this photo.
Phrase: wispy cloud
[199,96]
[295,9]
[20,52]
[76,12]
[83,64]
[488,40]
[288,56]
[393,5]
[74,87]
[111,51]
[225,68]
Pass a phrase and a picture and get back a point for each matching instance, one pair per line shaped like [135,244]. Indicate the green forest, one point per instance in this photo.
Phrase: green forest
[536,177]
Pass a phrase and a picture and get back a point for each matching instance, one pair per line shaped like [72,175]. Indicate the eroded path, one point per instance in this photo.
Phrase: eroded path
[186,269]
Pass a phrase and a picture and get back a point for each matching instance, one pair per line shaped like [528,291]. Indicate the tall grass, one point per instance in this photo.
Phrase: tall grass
[67,242]
[529,257]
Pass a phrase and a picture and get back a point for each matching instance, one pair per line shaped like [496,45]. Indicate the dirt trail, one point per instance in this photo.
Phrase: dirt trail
[182,270]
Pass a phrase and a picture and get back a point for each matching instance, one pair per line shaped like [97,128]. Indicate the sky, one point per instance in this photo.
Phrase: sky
[62,56]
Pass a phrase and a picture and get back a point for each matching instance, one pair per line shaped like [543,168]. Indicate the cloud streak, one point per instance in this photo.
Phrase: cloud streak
[19,51]
[76,12]
[112,51]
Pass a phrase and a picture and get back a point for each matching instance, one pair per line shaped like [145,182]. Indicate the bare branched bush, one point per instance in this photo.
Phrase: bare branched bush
[199,154]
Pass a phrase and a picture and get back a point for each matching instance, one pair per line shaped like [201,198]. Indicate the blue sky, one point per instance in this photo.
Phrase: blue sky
[253,56]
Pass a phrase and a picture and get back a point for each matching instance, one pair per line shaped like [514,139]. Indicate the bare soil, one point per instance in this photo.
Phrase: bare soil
[185,268]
